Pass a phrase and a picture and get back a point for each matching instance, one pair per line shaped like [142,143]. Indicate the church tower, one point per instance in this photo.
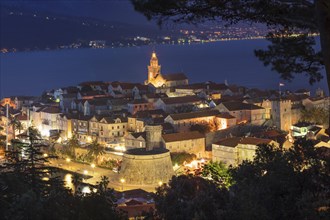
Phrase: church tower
[153,68]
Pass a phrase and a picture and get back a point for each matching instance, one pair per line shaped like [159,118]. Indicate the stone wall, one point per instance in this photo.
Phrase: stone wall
[146,169]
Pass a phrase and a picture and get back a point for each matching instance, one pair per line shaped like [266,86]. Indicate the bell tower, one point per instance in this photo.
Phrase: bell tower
[153,68]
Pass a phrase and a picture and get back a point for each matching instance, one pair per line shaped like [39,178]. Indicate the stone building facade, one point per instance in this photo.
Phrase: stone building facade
[234,150]
[188,142]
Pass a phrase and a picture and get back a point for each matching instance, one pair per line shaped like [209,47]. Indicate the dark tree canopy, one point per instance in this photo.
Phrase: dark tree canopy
[288,54]
[189,197]
[277,184]
[31,189]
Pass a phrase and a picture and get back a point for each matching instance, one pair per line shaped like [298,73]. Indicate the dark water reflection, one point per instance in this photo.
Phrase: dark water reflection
[30,73]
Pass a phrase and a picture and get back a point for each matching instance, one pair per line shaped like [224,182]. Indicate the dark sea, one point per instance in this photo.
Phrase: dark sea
[31,73]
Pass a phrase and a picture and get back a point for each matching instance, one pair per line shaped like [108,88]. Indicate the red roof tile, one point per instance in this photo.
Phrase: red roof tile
[182,136]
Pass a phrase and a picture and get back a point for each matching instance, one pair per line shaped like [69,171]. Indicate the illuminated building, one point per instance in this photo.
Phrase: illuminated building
[234,150]
[281,114]
[189,142]
[182,122]
[243,112]
[149,165]
[159,80]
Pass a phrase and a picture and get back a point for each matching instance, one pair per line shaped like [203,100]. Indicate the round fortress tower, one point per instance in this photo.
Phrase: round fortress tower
[147,166]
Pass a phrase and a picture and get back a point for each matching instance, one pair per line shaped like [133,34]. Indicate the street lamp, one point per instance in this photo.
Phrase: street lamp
[68,160]
[93,166]
[85,172]
[45,155]
[160,183]
[122,180]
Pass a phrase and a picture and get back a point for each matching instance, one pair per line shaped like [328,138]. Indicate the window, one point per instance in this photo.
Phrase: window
[118,127]
[123,126]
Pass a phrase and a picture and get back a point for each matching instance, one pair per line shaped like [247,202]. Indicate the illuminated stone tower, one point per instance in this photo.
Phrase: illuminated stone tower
[148,166]
[153,68]
[281,114]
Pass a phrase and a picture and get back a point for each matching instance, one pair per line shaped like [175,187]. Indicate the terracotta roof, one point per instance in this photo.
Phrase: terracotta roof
[98,102]
[227,98]
[142,87]
[91,83]
[182,136]
[175,77]
[189,115]
[302,91]
[70,96]
[138,101]
[193,86]
[133,202]
[155,95]
[225,115]
[127,85]
[316,98]
[71,89]
[167,126]
[150,114]
[218,86]
[294,97]
[258,93]
[255,141]
[182,99]
[229,142]
[211,85]
[234,141]
[139,134]
[234,106]
[111,120]
[51,110]
[21,117]
[119,101]
[270,133]
[92,93]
